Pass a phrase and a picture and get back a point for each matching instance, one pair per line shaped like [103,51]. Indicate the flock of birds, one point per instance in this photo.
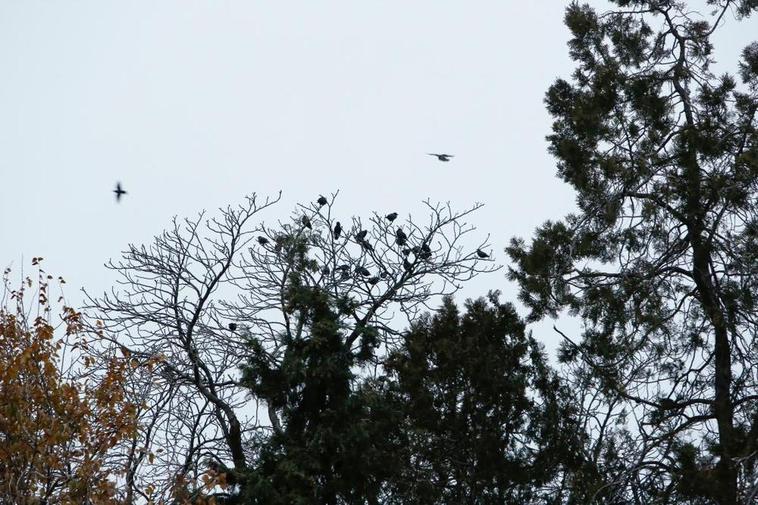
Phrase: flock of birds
[422,252]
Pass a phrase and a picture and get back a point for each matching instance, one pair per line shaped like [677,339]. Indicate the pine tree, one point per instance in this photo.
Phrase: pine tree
[661,259]
[485,419]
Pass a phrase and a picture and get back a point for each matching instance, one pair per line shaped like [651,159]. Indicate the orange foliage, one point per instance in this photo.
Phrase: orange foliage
[59,421]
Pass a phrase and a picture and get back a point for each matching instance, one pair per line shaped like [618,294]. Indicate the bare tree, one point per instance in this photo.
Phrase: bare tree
[192,303]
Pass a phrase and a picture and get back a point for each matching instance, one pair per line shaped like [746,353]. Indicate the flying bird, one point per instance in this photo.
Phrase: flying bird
[482,254]
[442,157]
[321,201]
[306,222]
[337,231]
[262,240]
[119,191]
[391,217]
[400,237]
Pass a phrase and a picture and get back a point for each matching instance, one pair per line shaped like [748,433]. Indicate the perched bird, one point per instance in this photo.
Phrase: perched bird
[482,254]
[383,275]
[337,231]
[119,191]
[361,235]
[391,217]
[363,271]
[233,326]
[425,253]
[400,237]
[406,251]
[344,267]
[325,270]
[306,222]
[373,280]
[262,240]
[407,265]
[366,245]
[321,201]
[442,157]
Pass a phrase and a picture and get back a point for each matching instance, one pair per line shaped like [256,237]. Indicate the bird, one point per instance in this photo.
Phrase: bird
[407,265]
[321,201]
[306,222]
[425,253]
[233,326]
[366,245]
[337,231]
[482,254]
[345,267]
[442,157]
[400,237]
[119,191]
[361,235]
[391,216]
[325,270]
[262,240]
[373,280]
[363,271]
[406,251]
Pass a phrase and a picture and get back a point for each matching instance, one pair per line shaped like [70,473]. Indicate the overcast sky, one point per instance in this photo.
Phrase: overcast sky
[194,104]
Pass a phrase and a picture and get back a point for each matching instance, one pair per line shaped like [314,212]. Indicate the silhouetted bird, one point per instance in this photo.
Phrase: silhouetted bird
[325,270]
[415,250]
[344,267]
[119,191]
[400,237]
[442,157]
[425,253]
[482,254]
[366,245]
[361,235]
[383,275]
[337,231]
[391,217]
[373,280]
[406,251]
[407,265]
[233,326]
[363,271]
[321,200]
[306,222]
[262,240]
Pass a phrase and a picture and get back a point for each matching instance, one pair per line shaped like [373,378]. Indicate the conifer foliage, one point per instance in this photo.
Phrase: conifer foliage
[660,260]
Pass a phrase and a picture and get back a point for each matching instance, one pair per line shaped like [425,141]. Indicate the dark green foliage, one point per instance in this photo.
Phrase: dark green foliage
[659,261]
[485,420]
[335,444]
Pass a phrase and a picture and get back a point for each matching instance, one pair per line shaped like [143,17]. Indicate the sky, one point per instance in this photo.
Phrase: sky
[194,104]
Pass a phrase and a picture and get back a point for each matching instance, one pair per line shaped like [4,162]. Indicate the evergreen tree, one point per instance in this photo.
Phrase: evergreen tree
[661,259]
[335,444]
[485,419]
